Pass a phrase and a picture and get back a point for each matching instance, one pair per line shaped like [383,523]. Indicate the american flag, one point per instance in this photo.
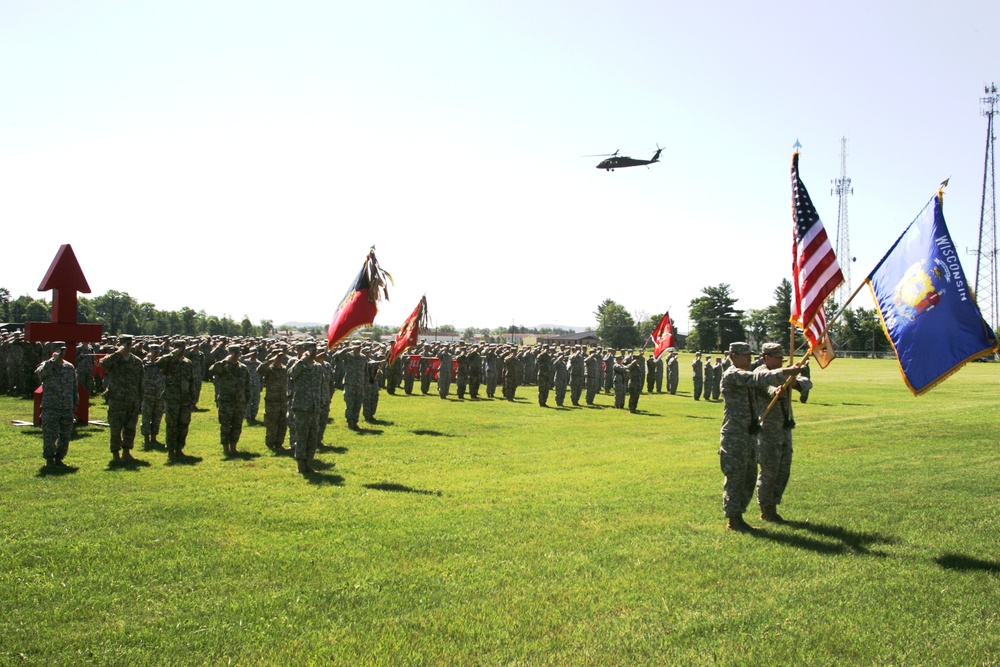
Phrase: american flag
[815,272]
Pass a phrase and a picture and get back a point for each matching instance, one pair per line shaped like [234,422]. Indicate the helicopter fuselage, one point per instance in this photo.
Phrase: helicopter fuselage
[617,162]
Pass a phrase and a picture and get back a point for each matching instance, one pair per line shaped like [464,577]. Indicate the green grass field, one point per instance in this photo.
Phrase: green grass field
[497,533]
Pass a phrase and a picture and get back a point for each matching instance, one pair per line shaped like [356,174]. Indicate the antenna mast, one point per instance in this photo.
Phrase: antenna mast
[986,255]
[842,188]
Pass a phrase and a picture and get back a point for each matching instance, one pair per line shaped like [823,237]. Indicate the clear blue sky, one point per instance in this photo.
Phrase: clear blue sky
[241,157]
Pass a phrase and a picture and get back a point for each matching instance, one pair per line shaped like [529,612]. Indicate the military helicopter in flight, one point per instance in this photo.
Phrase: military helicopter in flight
[616,161]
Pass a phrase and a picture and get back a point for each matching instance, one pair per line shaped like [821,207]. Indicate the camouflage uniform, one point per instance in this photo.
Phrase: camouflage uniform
[253,404]
[326,396]
[636,371]
[178,395]
[444,372]
[126,379]
[560,378]
[650,374]
[60,397]
[592,375]
[462,373]
[619,381]
[306,406]
[232,392]
[577,370]
[425,372]
[510,362]
[274,378]
[355,369]
[543,375]
[717,379]
[373,376]
[709,379]
[609,371]
[475,372]
[152,397]
[737,436]
[697,377]
[411,372]
[492,368]
[672,371]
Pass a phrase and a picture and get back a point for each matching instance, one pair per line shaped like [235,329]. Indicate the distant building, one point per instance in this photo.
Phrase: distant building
[580,338]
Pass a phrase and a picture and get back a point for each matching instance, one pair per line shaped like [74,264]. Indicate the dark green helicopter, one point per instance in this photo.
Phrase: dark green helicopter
[616,161]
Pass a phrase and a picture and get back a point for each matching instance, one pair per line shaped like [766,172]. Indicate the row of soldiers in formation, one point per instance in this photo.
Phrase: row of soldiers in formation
[160,379]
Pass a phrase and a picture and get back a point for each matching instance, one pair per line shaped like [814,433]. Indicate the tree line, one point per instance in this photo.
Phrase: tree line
[715,322]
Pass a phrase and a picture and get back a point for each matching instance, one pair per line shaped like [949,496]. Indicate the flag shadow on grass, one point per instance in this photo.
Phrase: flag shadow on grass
[400,488]
[844,541]
[964,563]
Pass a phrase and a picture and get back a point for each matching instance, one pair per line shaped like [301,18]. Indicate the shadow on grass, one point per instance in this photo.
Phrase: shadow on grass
[329,448]
[967,563]
[392,487]
[184,460]
[56,471]
[367,431]
[322,479]
[845,541]
[241,456]
[379,422]
[427,431]
[862,405]
[701,417]
[156,446]
[131,465]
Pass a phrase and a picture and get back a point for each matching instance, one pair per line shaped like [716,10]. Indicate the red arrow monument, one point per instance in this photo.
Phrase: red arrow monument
[65,279]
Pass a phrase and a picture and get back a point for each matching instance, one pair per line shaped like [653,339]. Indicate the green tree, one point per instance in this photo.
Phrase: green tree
[755,322]
[266,327]
[616,326]
[188,321]
[37,311]
[4,304]
[717,321]
[112,308]
[247,328]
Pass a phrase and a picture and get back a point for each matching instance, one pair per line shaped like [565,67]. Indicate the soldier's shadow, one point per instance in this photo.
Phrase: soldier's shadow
[844,541]
[379,422]
[184,460]
[319,478]
[401,488]
[368,431]
[331,449]
[154,446]
[436,434]
[241,455]
[56,471]
[129,465]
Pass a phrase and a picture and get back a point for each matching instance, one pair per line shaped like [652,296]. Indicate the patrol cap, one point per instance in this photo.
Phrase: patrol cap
[125,339]
[178,344]
[739,348]
[233,347]
[773,350]
[154,347]
[309,345]
[58,345]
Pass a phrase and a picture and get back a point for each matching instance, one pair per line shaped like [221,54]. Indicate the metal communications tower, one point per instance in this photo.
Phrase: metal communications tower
[986,255]
[842,188]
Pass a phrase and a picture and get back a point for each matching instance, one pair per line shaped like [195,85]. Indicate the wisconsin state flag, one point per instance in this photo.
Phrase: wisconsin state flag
[360,305]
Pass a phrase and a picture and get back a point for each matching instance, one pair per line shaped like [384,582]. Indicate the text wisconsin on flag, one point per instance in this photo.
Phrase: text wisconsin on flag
[815,272]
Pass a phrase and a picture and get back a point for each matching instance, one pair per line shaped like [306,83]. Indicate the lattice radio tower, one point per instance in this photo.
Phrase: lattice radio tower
[842,188]
[986,255]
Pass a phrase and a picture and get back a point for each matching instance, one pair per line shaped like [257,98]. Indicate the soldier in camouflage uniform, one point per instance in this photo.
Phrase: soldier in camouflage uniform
[475,371]
[355,371]
[152,396]
[178,395]
[252,362]
[609,370]
[411,371]
[717,379]
[444,371]
[462,372]
[560,378]
[737,451]
[394,374]
[60,397]
[274,378]
[306,406]
[126,379]
[492,370]
[425,369]
[592,375]
[198,358]
[708,371]
[697,376]
[577,371]
[774,442]
[232,392]
[327,389]
[619,380]
[650,374]
[543,375]
[635,375]
[510,362]
[373,378]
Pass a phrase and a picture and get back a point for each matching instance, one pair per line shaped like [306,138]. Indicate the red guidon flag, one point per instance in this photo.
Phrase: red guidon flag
[815,271]
[663,336]
[360,305]
[410,331]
